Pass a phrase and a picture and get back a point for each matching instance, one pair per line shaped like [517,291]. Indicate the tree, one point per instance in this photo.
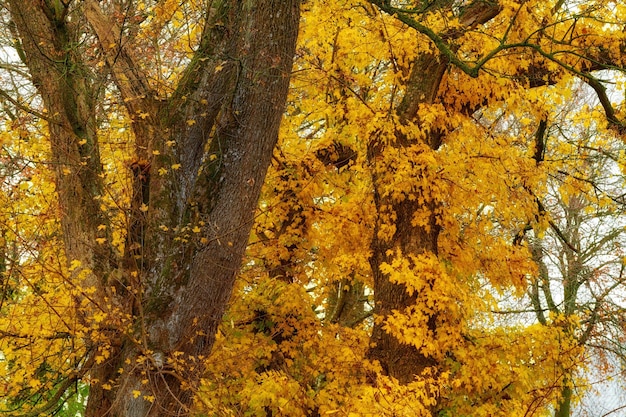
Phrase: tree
[580,257]
[510,28]
[409,169]
[202,138]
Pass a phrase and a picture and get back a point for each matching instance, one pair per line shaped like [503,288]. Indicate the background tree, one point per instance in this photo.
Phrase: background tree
[580,257]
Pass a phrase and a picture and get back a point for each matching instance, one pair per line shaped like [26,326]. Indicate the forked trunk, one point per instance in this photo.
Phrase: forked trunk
[164,297]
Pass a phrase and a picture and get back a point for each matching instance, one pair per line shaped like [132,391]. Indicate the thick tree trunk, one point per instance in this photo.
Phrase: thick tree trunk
[409,238]
[187,293]
[399,360]
[223,118]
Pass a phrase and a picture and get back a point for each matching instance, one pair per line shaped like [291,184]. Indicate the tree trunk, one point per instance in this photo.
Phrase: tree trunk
[565,403]
[399,360]
[397,212]
[165,296]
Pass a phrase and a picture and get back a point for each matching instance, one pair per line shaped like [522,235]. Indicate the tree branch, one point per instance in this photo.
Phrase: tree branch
[131,82]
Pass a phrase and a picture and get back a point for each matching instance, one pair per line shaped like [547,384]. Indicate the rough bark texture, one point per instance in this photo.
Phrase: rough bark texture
[399,360]
[175,290]
[68,97]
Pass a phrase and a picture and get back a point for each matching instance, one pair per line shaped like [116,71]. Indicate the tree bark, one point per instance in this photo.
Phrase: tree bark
[398,359]
[223,118]
[68,96]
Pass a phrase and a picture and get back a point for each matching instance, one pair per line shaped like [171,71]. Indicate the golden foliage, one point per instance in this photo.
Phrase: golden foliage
[295,339]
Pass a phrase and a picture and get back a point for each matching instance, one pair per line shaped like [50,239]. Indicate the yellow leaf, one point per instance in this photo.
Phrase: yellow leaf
[74,264]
